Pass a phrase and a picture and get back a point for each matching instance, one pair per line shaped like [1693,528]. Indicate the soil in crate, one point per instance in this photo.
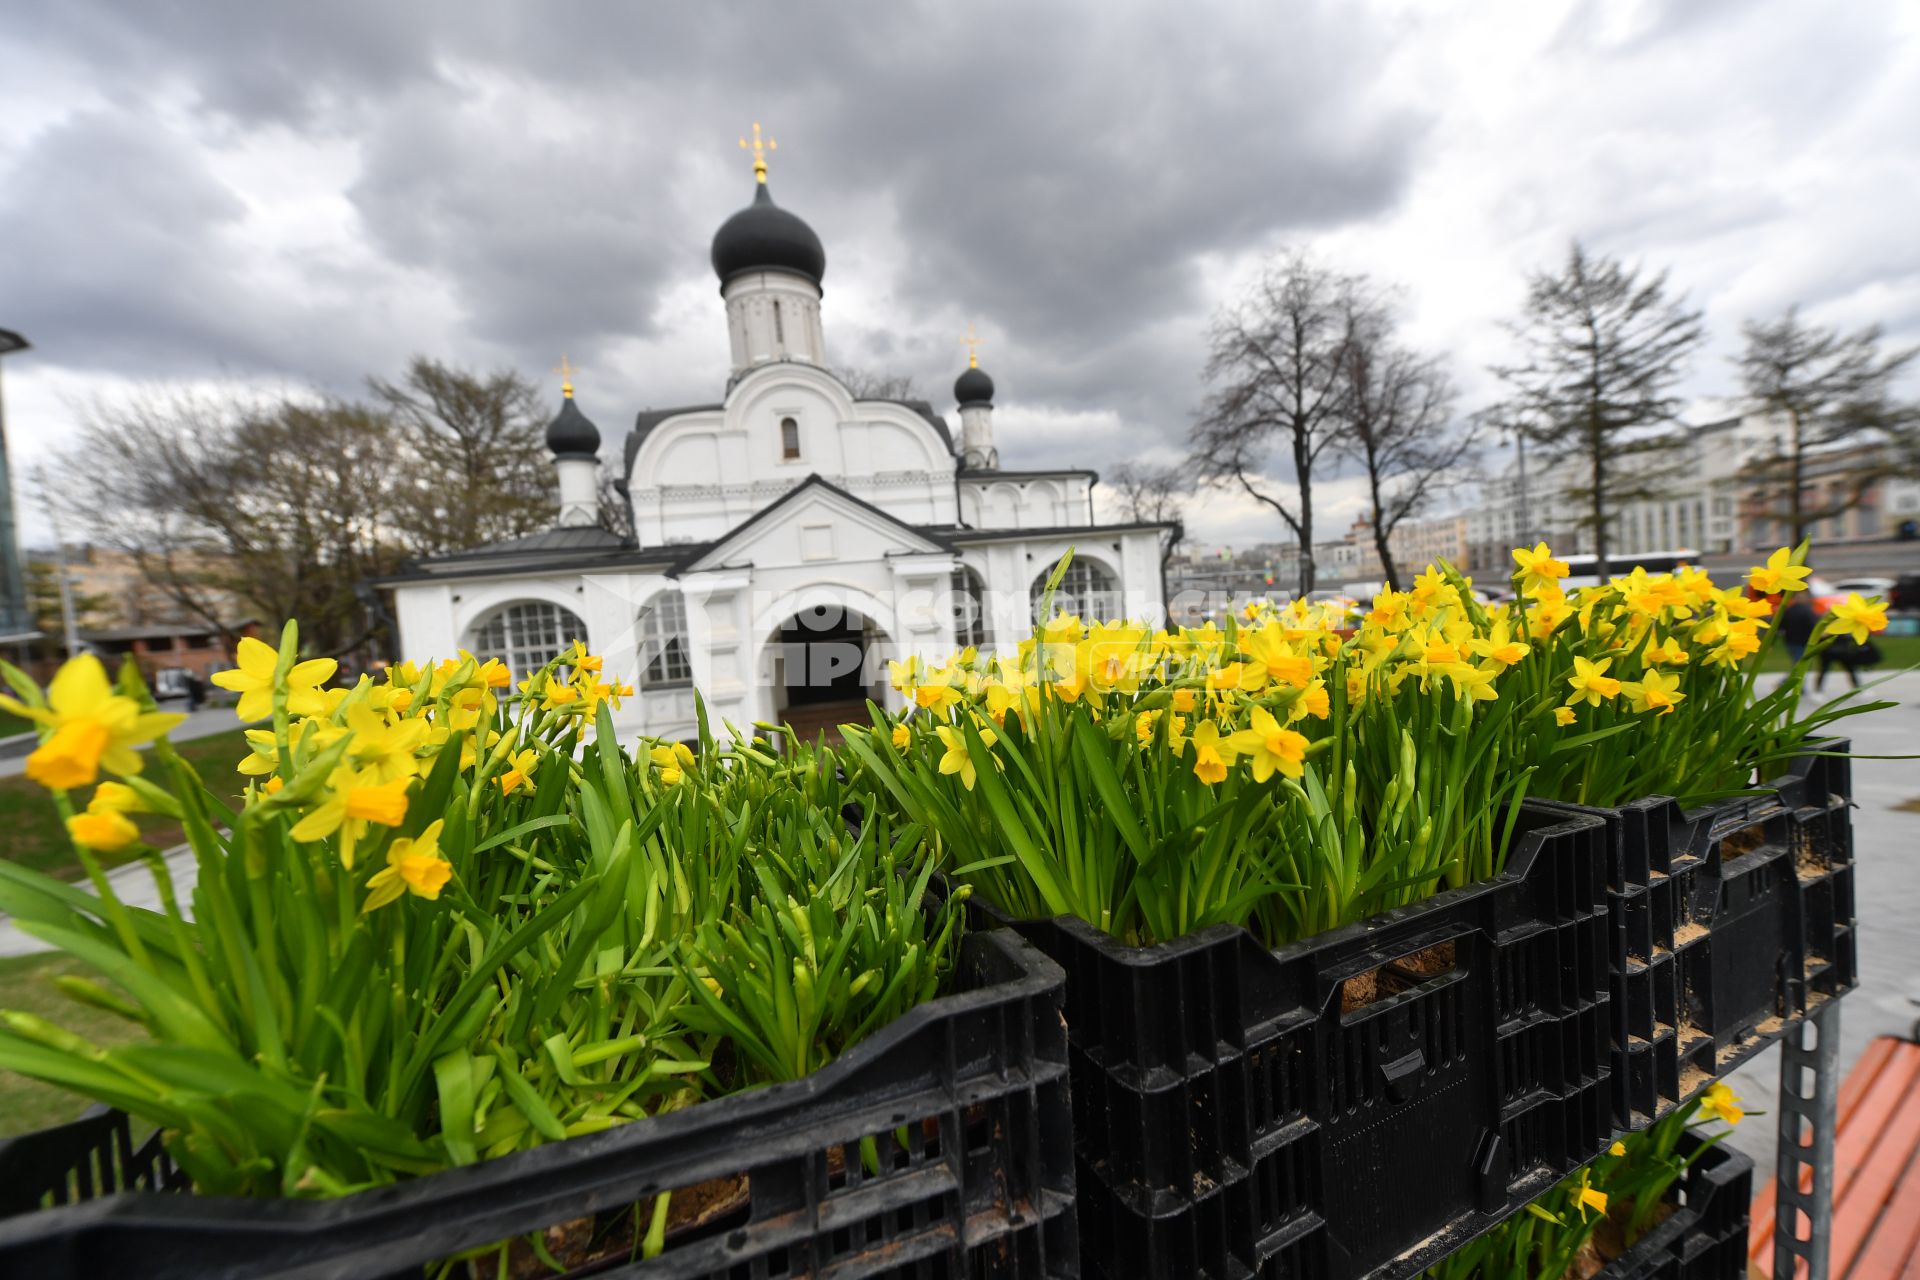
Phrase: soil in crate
[940,1146]
[1704,1235]
[1729,923]
[1354,1105]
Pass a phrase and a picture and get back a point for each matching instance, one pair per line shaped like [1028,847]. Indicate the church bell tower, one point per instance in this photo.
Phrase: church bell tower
[770,265]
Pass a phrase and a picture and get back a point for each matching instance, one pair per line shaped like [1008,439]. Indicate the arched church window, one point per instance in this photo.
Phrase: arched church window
[664,661]
[779,328]
[1088,589]
[789,439]
[526,634]
[969,608]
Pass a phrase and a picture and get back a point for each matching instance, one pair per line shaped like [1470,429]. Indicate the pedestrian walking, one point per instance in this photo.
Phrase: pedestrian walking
[1849,655]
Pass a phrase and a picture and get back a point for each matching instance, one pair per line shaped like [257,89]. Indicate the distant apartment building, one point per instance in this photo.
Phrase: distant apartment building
[1414,544]
[111,591]
[1708,500]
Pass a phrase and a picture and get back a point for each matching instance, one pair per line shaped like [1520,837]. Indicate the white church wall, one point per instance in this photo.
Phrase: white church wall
[771,316]
[1012,568]
[425,616]
[1041,502]
[697,476]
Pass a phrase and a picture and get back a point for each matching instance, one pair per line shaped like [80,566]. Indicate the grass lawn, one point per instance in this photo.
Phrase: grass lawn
[1896,653]
[26,984]
[31,832]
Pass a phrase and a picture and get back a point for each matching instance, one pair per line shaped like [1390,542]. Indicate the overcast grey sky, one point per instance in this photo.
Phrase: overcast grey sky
[266,193]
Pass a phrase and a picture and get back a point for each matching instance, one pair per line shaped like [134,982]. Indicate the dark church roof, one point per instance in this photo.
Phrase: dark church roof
[765,237]
[571,432]
[973,387]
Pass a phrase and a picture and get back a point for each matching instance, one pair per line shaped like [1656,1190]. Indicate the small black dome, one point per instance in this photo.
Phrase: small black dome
[571,432]
[973,387]
[765,237]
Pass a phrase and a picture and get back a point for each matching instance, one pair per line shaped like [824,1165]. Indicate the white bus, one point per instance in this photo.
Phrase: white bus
[1582,570]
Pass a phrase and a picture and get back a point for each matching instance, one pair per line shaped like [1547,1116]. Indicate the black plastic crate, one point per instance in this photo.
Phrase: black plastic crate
[976,1080]
[1705,1237]
[1233,1118]
[1729,923]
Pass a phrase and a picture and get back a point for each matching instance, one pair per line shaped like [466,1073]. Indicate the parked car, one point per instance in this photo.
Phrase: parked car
[1869,586]
[1905,596]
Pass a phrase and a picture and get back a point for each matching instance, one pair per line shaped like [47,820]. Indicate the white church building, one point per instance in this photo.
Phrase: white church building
[787,539]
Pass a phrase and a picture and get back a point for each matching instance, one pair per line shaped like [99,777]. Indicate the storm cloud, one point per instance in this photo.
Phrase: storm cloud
[242,191]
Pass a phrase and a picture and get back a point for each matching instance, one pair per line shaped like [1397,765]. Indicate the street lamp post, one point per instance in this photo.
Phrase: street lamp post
[14,619]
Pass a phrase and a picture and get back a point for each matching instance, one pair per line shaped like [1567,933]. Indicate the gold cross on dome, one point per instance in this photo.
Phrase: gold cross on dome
[973,347]
[759,149]
[566,370]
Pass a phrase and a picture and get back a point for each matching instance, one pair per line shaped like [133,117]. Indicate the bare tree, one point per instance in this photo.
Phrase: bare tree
[616,511]
[479,443]
[877,384]
[1274,359]
[1396,421]
[1149,494]
[1602,351]
[281,505]
[1831,394]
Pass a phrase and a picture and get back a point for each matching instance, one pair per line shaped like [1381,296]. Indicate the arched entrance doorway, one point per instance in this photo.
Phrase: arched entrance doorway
[827,662]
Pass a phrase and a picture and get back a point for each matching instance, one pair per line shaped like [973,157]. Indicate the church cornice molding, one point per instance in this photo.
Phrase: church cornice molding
[771,489]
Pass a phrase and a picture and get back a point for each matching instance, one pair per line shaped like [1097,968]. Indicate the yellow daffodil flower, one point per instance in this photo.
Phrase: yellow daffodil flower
[1314,702]
[1657,693]
[901,737]
[353,802]
[414,865]
[1664,653]
[938,690]
[1475,683]
[1273,658]
[956,758]
[1858,618]
[1591,683]
[1548,613]
[1779,575]
[1270,748]
[385,751]
[1213,751]
[252,679]
[1389,612]
[1499,644]
[1719,1103]
[1591,1198]
[102,830]
[1563,716]
[1538,569]
[116,797]
[93,727]
[519,771]
[672,760]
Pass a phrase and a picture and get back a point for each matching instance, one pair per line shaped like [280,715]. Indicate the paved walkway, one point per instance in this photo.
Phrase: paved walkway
[203,723]
[132,882]
[1886,845]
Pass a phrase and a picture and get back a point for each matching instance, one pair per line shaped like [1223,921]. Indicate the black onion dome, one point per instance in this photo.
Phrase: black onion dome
[973,387]
[572,432]
[765,237]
